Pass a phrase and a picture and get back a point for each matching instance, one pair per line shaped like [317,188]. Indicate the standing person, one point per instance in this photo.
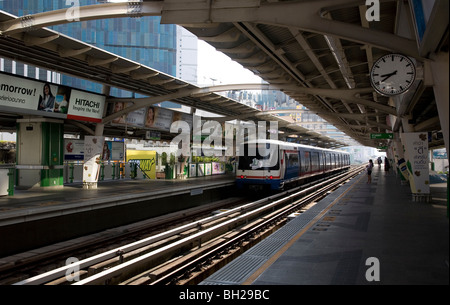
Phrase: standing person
[386,165]
[369,168]
[379,161]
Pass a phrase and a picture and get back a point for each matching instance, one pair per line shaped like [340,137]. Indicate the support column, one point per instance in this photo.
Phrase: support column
[440,71]
[40,152]
[93,148]
[399,159]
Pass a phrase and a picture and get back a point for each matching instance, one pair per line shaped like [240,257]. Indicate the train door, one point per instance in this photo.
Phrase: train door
[314,162]
[322,162]
[307,162]
[292,164]
[328,166]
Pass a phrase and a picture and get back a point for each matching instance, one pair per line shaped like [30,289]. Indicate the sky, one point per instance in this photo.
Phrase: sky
[216,68]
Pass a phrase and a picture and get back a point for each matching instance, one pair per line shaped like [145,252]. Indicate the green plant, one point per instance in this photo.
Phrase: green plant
[164,158]
[172,159]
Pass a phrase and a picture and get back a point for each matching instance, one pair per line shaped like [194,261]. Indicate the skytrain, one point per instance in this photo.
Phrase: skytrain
[276,165]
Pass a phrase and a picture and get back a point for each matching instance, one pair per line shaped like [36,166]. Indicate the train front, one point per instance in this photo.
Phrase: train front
[259,166]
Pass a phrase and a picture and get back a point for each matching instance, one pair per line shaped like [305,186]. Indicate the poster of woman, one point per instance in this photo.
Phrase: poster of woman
[150,119]
[118,106]
[46,99]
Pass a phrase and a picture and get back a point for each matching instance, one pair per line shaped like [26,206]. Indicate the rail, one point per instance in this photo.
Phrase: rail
[308,195]
[206,230]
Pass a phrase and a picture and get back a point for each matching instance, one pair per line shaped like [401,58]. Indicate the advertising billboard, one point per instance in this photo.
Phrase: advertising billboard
[152,117]
[22,95]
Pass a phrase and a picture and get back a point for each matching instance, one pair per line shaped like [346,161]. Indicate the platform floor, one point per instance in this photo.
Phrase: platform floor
[335,242]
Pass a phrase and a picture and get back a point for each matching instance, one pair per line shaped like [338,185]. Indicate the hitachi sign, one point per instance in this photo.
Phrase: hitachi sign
[91,104]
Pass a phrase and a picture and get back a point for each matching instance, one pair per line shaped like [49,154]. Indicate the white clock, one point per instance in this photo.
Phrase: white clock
[392,74]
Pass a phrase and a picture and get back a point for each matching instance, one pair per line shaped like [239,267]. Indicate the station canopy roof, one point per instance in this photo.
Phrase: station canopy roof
[54,51]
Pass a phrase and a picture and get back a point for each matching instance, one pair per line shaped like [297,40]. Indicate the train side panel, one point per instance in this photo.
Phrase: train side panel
[294,164]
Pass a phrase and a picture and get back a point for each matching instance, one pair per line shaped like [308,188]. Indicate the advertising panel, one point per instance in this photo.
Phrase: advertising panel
[93,147]
[137,117]
[416,154]
[218,168]
[112,150]
[85,106]
[162,118]
[153,117]
[26,94]
[146,160]
[73,149]
[35,97]
[134,118]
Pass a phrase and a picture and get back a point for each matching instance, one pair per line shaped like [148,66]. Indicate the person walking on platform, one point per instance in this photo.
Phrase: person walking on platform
[379,161]
[369,168]
[386,165]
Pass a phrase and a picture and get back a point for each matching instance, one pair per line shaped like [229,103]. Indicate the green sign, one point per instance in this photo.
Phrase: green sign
[381,135]
[382,147]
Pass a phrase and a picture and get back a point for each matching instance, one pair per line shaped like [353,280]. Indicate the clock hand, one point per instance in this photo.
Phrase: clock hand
[386,76]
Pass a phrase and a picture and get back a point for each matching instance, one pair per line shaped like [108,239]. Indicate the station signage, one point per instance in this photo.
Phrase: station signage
[381,135]
[27,96]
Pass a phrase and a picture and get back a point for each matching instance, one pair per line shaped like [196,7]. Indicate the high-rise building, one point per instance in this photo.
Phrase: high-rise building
[164,47]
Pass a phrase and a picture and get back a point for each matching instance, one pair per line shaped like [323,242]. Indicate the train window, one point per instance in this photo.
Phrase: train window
[292,159]
[255,161]
[306,161]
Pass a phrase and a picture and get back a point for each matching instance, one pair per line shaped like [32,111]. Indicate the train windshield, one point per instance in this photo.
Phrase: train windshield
[259,159]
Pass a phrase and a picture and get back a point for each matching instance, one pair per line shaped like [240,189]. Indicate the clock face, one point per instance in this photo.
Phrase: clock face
[392,74]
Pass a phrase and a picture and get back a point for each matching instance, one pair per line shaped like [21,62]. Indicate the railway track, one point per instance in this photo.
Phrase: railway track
[188,253]
[44,258]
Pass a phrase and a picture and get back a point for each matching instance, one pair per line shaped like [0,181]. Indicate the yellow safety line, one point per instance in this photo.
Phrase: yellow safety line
[272,259]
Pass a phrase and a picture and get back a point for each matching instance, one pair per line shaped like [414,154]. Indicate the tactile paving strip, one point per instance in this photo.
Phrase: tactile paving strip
[236,272]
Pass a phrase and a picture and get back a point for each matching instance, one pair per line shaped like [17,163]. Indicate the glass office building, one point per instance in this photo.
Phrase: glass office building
[144,40]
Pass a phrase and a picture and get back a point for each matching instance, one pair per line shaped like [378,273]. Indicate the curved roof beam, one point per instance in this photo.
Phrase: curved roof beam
[347,94]
[83,13]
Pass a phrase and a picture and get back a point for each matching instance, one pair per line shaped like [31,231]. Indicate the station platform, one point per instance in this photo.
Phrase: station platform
[361,234]
[41,216]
